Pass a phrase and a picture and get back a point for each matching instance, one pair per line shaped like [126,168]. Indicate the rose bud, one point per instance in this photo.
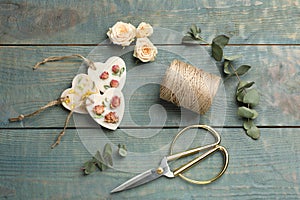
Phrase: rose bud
[111,117]
[99,109]
[144,30]
[115,102]
[115,68]
[114,83]
[104,75]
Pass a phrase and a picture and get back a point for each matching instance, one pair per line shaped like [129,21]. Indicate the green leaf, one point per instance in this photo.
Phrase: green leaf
[231,58]
[240,96]
[106,86]
[221,40]
[247,112]
[122,150]
[242,69]
[217,46]
[99,160]
[107,154]
[240,93]
[248,124]
[244,84]
[98,157]
[194,29]
[89,167]
[253,132]
[227,68]
[190,40]
[251,97]
[121,71]
[217,51]
[241,84]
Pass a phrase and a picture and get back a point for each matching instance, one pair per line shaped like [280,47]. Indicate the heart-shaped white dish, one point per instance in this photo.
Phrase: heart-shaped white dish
[111,74]
[82,87]
[107,109]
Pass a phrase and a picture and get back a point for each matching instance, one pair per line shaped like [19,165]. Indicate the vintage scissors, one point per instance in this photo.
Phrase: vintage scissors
[164,169]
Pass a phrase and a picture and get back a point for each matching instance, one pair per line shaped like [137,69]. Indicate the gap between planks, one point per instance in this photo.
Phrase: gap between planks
[42,45]
[140,128]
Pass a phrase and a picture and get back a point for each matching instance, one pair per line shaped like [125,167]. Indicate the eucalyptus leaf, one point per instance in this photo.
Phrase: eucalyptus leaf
[253,132]
[231,58]
[190,40]
[241,84]
[217,46]
[242,69]
[98,157]
[240,93]
[240,96]
[122,150]
[251,97]
[86,164]
[227,68]
[99,161]
[89,167]
[217,51]
[247,112]
[107,154]
[194,29]
[248,124]
[244,84]
[221,40]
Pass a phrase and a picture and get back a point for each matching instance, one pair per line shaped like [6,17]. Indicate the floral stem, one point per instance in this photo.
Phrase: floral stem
[236,74]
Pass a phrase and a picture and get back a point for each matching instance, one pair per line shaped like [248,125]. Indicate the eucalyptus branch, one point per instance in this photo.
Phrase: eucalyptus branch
[246,96]
[100,161]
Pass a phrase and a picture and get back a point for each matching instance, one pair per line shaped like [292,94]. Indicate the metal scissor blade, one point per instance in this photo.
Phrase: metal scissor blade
[140,179]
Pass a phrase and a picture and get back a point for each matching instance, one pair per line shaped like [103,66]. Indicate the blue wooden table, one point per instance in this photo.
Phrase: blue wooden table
[265,32]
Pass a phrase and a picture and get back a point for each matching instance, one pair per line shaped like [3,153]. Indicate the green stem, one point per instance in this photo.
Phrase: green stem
[236,74]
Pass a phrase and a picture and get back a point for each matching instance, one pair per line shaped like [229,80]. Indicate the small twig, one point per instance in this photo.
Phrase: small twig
[57,58]
[236,74]
[50,104]
[63,131]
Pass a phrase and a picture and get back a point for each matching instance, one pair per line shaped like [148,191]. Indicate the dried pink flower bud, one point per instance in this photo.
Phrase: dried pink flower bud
[115,68]
[111,117]
[114,83]
[104,75]
[115,102]
[99,109]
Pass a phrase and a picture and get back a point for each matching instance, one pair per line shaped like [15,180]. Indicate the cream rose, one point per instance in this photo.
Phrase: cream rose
[144,50]
[122,33]
[144,30]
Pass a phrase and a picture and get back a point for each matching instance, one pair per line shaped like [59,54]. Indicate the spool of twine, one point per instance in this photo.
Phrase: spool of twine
[188,86]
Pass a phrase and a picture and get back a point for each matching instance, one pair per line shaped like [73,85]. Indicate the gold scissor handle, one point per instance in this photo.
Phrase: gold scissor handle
[214,147]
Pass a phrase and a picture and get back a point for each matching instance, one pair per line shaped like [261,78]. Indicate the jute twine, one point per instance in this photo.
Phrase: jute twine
[190,87]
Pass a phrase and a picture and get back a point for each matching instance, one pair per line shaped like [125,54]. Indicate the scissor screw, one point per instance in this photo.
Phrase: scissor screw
[159,170]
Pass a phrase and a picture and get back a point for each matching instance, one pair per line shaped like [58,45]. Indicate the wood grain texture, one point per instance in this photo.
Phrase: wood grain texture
[265,32]
[257,169]
[65,22]
[274,69]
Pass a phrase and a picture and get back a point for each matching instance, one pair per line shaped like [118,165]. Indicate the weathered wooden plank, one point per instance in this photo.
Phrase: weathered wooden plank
[22,90]
[267,168]
[74,22]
